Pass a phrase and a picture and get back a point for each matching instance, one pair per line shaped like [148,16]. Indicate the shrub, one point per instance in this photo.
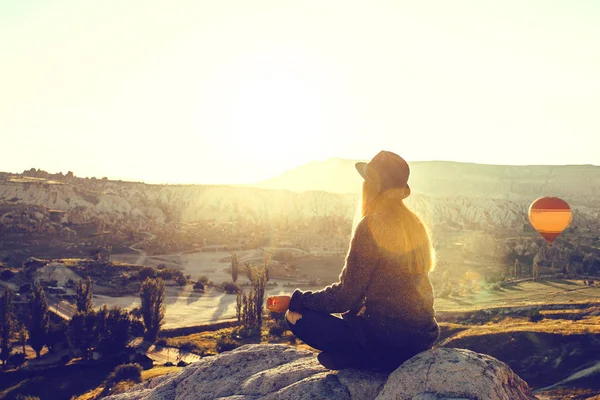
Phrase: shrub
[125,372]
[226,344]
[198,286]
[137,328]
[146,272]
[6,274]
[16,359]
[181,280]
[535,316]
[231,288]
[190,346]
[278,329]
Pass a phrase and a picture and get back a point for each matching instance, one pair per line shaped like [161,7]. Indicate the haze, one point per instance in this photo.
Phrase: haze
[237,92]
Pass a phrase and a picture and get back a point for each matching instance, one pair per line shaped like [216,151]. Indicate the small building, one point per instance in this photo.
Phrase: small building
[56,290]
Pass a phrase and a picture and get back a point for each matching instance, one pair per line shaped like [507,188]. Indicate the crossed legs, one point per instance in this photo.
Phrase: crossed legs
[328,333]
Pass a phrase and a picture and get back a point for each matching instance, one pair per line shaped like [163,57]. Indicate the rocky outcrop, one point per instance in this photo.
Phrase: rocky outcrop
[284,372]
[458,199]
[149,205]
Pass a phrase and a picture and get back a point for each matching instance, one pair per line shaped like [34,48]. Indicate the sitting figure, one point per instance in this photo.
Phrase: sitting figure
[380,313]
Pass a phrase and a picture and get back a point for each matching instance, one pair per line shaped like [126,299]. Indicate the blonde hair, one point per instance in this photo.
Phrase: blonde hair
[396,228]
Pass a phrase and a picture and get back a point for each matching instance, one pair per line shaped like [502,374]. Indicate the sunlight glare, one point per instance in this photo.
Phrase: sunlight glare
[275,110]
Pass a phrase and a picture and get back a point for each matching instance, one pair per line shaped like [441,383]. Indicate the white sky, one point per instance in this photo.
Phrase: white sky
[238,91]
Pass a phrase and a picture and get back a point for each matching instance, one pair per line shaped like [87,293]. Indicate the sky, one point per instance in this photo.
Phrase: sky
[194,91]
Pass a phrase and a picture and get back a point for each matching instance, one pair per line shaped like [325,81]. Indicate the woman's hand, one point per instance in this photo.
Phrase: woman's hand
[278,304]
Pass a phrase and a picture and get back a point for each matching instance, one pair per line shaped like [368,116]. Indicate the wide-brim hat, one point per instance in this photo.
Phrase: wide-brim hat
[387,170]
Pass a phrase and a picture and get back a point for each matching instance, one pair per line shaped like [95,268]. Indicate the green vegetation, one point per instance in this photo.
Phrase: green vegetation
[249,307]
[235,267]
[152,295]
[7,324]
[106,331]
[83,295]
[68,381]
[38,319]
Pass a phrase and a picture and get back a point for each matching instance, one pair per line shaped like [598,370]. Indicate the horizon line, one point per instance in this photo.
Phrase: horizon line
[133,180]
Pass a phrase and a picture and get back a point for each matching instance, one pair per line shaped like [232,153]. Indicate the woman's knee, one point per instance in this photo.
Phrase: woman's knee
[292,317]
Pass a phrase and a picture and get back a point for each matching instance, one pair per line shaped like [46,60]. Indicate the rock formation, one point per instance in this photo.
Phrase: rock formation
[461,196]
[283,372]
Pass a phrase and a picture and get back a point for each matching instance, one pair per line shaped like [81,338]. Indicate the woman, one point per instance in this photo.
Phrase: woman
[383,293]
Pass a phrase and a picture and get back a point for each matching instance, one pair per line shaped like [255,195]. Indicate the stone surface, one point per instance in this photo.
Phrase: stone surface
[283,372]
[454,374]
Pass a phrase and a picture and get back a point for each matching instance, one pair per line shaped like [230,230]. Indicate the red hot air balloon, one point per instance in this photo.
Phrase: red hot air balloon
[550,216]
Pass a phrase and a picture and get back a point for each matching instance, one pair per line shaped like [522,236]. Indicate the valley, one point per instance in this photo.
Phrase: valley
[59,230]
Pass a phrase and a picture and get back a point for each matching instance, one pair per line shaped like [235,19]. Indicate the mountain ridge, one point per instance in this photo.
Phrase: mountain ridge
[440,178]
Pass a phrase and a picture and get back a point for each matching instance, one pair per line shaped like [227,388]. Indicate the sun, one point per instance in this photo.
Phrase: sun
[268,110]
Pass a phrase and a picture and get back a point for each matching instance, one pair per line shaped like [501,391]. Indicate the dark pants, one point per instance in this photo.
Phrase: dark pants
[349,341]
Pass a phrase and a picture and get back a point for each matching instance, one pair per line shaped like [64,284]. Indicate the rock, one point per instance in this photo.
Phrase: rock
[447,373]
[276,371]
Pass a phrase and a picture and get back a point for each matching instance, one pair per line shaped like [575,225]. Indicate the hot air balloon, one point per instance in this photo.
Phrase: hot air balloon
[550,216]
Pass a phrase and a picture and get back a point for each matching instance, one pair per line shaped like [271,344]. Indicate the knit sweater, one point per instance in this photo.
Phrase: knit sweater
[375,286]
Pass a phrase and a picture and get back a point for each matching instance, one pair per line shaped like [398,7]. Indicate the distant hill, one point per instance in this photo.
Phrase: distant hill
[578,183]
[445,194]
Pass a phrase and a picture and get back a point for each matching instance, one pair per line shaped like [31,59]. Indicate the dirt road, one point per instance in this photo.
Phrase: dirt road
[141,253]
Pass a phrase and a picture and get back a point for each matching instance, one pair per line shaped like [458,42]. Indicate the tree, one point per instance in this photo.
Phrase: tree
[248,269]
[588,263]
[181,280]
[7,324]
[267,260]
[259,282]
[249,307]
[22,336]
[83,295]
[235,267]
[145,273]
[38,319]
[152,295]
[82,333]
[516,268]
[238,306]
[535,272]
[113,331]
[56,335]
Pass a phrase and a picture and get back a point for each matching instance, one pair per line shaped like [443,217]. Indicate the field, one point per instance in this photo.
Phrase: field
[185,307]
[188,308]
[522,294]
